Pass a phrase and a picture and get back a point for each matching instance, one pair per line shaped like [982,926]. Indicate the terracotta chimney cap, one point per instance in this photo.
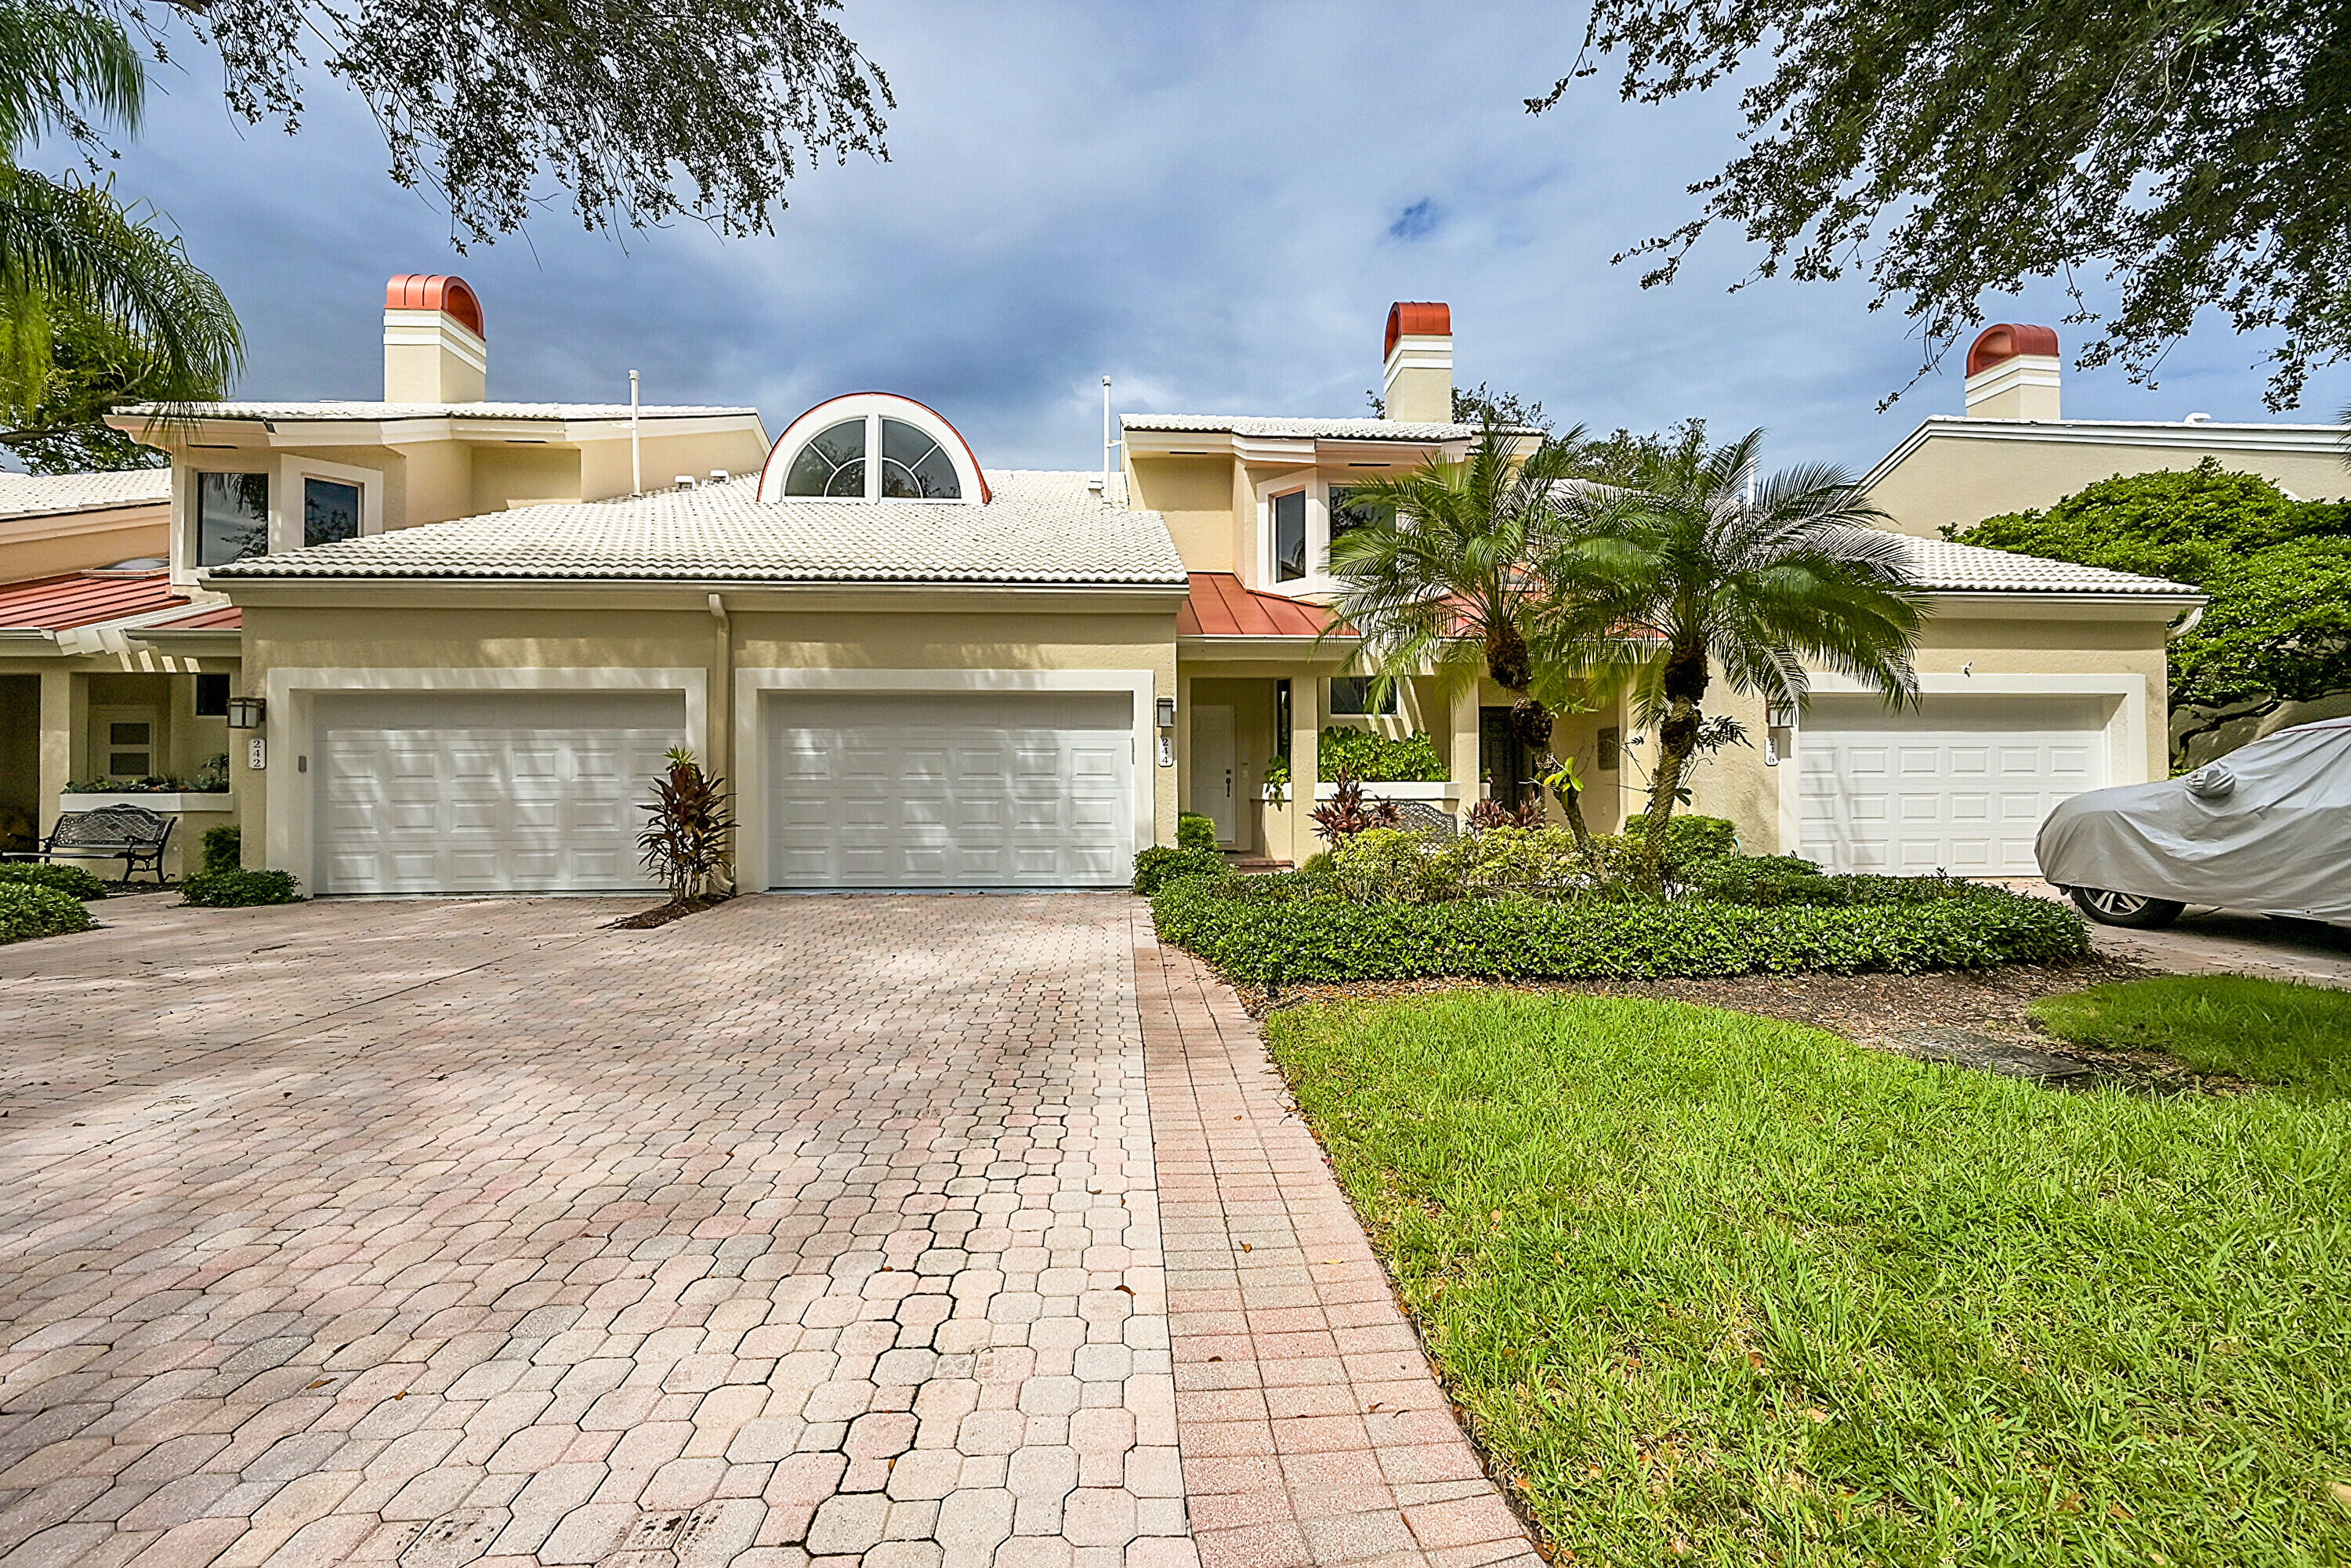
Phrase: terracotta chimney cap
[1417,318]
[436,291]
[2005,342]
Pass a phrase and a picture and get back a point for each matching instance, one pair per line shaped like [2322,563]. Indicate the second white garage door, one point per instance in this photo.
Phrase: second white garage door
[951,790]
[449,792]
[1960,785]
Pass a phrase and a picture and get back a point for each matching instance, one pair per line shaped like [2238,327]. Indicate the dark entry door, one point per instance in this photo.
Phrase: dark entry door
[1502,758]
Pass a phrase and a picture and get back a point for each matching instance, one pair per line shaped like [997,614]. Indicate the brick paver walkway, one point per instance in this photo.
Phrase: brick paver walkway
[1314,1431]
[468,1232]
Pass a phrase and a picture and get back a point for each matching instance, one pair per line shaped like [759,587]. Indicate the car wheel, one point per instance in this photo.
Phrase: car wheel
[2126,908]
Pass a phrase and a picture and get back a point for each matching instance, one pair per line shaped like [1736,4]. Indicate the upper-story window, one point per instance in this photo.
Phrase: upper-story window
[330,511]
[1347,514]
[871,446]
[232,516]
[1289,537]
[1360,696]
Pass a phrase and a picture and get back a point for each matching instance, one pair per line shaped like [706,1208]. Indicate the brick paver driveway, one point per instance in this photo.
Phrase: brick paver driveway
[456,1232]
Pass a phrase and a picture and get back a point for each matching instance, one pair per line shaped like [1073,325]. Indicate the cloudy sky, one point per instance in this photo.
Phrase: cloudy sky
[1212,203]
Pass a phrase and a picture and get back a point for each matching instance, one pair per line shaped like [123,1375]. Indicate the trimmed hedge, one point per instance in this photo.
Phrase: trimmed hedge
[1157,866]
[70,880]
[27,911]
[1370,757]
[1283,930]
[238,889]
[1195,831]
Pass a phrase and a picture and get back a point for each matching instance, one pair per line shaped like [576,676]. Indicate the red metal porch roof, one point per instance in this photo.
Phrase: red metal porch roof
[1221,605]
[84,599]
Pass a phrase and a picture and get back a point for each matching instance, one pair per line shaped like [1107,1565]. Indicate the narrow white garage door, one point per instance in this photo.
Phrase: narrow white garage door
[961,789]
[518,792]
[1960,785]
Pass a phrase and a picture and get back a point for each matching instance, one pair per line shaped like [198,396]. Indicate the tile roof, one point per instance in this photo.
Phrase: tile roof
[84,599]
[1223,606]
[1302,429]
[337,408]
[1041,529]
[1945,568]
[49,495]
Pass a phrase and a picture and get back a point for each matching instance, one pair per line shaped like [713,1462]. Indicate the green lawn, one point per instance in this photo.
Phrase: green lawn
[1731,1291]
[2269,1031]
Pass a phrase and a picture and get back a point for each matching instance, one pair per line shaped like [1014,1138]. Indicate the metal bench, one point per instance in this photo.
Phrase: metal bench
[132,834]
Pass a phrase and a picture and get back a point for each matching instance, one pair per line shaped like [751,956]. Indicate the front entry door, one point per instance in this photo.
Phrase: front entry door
[1502,758]
[1212,770]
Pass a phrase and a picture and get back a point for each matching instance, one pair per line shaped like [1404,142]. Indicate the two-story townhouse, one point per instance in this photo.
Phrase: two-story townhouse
[918,672]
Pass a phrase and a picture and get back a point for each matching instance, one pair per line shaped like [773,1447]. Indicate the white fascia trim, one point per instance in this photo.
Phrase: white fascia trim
[2091,605]
[290,691]
[2325,440]
[1418,350]
[750,749]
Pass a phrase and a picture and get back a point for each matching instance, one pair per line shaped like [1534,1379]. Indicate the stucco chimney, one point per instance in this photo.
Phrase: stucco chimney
[434,348]
[2013,373]
[1417,380]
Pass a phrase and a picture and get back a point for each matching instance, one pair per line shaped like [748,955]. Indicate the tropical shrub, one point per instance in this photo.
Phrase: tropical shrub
[1347,813]
[224,848]
[1391,865]
[27,910]
[239,889]
[70,880]
[1377,759]
[1277,930]
[1195,831]
[1159,865]
[684,844]
[1489,813]
[1689,837]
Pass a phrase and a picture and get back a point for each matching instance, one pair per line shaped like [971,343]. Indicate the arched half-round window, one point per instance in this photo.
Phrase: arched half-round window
[871,446]
[831,464]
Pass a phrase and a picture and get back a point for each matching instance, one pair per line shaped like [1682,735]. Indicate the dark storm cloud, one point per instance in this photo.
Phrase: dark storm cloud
[1214,204]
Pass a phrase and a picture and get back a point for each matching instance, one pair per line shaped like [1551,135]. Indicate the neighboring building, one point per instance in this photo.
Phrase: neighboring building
[2015,451]
[113,675]
[53,524]
[918,672]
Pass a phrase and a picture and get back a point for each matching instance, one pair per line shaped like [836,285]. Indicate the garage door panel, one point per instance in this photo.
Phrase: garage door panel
[1971,780]
[520,793]
[965,790]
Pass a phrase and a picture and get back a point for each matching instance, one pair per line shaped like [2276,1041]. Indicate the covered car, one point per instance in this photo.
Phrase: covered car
[2266,828]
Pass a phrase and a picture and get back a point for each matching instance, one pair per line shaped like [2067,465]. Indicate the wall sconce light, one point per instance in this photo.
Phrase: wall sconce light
[246,713]
[1165,709]
[1781,716]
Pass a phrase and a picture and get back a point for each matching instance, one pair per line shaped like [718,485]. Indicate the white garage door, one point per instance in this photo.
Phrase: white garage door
[961,789]
[1960,785]
[519,792]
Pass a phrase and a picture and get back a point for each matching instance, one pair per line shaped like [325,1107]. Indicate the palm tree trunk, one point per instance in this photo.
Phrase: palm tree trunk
[1676,740]
[1531,721]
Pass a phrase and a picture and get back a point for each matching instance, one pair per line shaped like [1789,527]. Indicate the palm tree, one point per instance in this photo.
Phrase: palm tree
[69,243]
[1444,575]
[1681,564]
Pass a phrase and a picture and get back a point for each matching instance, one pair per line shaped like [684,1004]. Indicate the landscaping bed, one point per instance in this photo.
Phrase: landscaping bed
[1729,1289]
[1286,930]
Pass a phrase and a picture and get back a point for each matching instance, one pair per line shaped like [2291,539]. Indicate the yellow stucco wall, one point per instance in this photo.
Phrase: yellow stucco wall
[1959,481]
[1196,496]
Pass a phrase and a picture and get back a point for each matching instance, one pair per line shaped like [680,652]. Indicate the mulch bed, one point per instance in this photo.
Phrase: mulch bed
[1862,1007]
[662,915]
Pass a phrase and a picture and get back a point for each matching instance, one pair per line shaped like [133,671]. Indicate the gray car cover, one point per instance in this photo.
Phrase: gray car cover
[2266,828]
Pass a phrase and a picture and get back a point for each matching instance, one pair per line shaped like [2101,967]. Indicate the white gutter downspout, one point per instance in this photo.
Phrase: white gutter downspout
[636,459]
[722,691]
